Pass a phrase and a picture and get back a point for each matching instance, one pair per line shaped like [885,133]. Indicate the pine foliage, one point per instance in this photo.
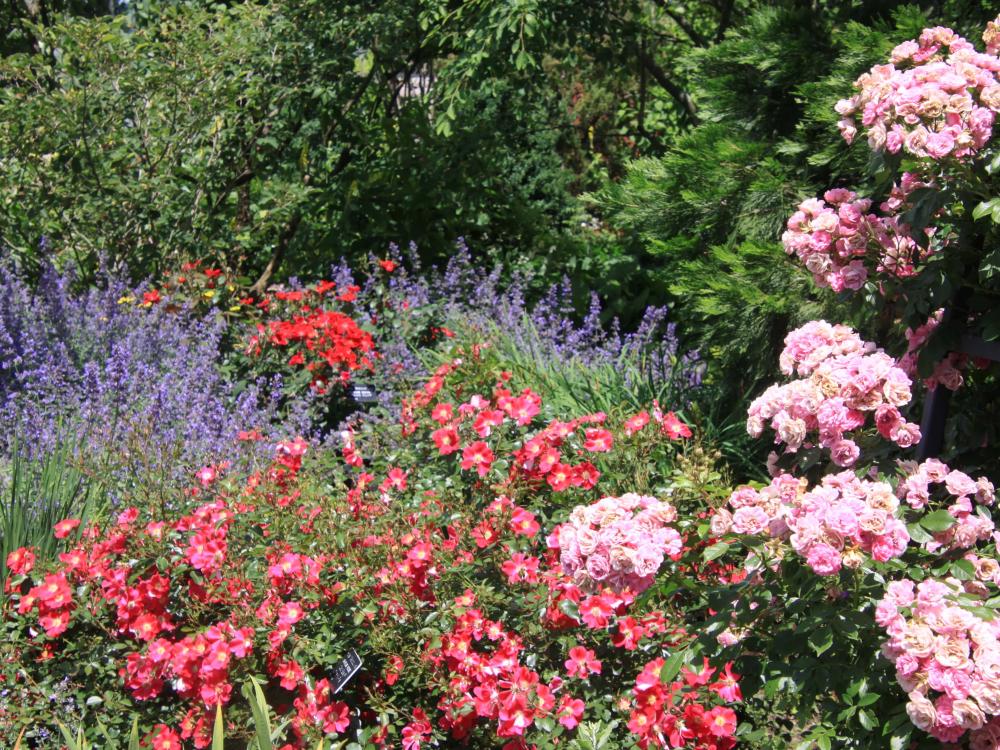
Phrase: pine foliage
[711,210]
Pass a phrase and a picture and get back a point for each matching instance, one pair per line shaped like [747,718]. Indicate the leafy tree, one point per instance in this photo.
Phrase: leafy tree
[281,135]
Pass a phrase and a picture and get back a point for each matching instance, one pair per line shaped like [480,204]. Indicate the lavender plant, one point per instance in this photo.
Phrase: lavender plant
[547,333]
[138,387]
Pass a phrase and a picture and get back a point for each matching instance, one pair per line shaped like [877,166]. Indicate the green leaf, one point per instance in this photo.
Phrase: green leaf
[963,570]
[939,520]
[133,737]
[672,666]
[219,730]
[985,208]
[71,743]
[820,640]
[716,551]
[261,718]
[866,720]
[917,534]
[570,609]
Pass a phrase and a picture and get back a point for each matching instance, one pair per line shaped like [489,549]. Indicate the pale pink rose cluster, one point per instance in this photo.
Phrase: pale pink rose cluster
[833,238]
[618,542]
[834,525]
[947,372]
[936,98]
[991,37]
[947,658]
[810,345]
[848,379]
[963,492]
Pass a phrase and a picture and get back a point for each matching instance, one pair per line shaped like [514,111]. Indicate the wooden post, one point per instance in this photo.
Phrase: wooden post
[932,423]
[938,401]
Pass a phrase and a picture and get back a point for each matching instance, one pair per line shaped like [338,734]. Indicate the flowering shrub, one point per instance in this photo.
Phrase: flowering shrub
[182,605]
[435,553]
[909,553]
[410,307]
[834,238]
[923,261]
[475,560]
[946,655]
[197,285]
[306,333]
[836,524]
[848,380]
[137,388]
[936,98]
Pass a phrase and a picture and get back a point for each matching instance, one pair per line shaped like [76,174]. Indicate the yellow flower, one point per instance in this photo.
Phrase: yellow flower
[126,299]
[208,294]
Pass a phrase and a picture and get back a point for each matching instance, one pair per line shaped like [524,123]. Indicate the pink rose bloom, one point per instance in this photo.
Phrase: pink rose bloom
[845,452]
[752,520]
[843,520]
[934,470]
[721,523]
[956,684]
[886,547]
[598,565]
[907,664]
[823,559]
[985,494]
[906,435]
[886,613]
[940,144]
[958,483]
[901,593]
[854,275]
[887,418]
[744,496]
[931,593]
[673,545]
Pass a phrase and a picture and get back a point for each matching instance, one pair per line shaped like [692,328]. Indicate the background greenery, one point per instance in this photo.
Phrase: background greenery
[650,150]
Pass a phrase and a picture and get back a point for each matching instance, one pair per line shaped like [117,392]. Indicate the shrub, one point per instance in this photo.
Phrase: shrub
[436,557]
[135,386]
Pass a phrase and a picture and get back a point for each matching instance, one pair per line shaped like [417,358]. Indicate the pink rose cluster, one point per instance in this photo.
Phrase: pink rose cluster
[834,525]
[992,36]
[947,659]
[833,237]
[964,493]
[617,542]
[839,240]
[843,379]
[947,372]
[936,98]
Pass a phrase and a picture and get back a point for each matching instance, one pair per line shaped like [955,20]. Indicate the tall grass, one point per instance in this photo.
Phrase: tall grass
[39,493]
[264,736]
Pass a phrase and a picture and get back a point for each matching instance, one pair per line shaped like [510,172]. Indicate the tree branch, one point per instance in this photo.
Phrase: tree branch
[679,94]
[241,179]
[725,20]
[683,24]
[278,255]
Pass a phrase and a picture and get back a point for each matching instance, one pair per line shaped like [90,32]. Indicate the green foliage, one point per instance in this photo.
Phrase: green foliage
[257,134]
[711,209]
[264,737]
[280,136]
[36,495]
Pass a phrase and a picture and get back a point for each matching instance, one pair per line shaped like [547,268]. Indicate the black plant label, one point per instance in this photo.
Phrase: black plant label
[344,670]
